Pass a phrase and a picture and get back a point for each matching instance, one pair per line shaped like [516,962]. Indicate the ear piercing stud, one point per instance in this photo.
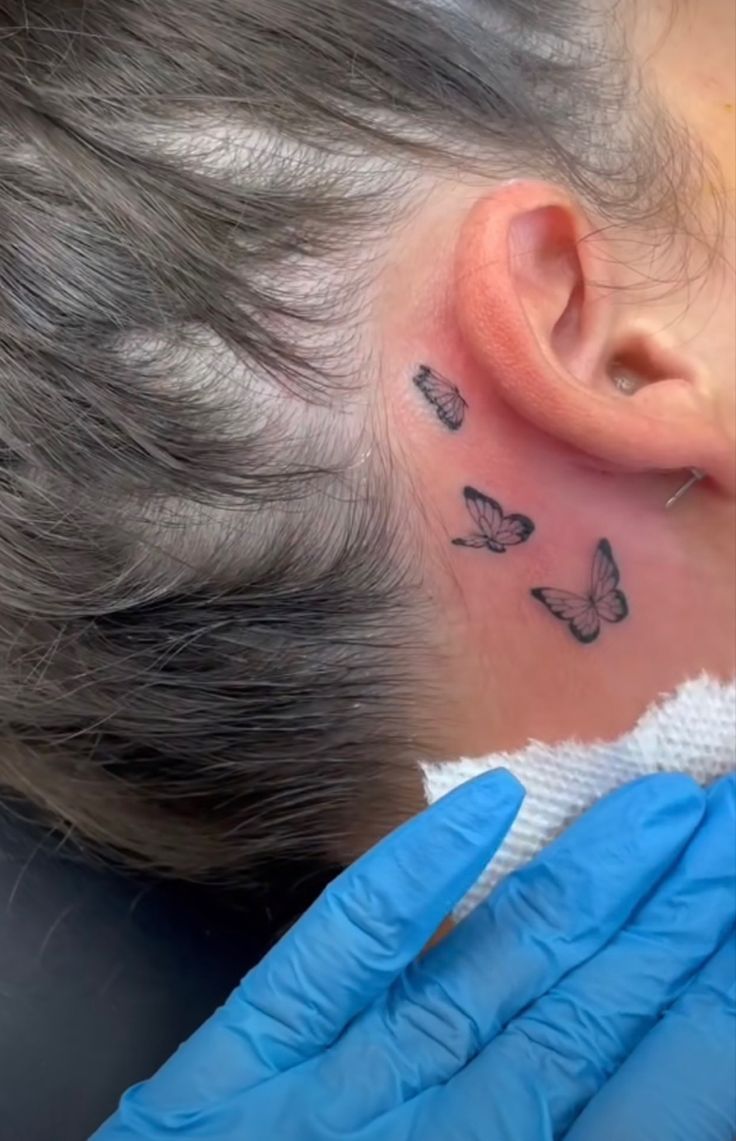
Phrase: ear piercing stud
[625,382]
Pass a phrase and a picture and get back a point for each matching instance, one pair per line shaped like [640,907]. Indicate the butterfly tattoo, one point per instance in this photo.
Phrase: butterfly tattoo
[444,397]
[604,602]
[494,530]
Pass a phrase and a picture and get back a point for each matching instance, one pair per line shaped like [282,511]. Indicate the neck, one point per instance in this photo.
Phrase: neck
[518,673]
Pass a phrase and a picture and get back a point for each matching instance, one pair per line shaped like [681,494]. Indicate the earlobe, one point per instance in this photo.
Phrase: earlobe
[537,301]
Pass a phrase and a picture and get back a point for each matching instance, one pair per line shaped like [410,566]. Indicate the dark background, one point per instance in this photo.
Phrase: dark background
[102,974]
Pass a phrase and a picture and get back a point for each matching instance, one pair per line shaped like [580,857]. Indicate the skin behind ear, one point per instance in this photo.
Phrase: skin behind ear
[563,597]
[539,301]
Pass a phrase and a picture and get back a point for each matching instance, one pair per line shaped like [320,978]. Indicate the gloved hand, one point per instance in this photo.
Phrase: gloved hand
[543,1007]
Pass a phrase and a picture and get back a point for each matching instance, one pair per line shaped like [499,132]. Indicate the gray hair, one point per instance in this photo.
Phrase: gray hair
[209,636]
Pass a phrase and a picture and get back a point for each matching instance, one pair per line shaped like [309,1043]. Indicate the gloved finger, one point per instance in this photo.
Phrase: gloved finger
[554,1058]
[680,1083]
[538,925]
[344,952]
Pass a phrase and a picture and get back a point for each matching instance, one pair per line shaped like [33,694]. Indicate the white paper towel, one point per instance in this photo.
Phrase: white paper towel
[693,731]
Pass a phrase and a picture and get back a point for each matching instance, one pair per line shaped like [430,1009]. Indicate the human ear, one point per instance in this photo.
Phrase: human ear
[542,308]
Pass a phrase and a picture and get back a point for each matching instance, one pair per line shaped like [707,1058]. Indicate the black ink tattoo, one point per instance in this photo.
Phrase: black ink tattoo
[495,531]
[444,397]
[603,602]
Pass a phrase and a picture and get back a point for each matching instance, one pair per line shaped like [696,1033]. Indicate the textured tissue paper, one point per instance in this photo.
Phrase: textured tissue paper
[693,731]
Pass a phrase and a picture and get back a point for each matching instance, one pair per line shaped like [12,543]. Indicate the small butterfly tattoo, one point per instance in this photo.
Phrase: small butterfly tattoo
[494,530]
[604,602]
[444,397]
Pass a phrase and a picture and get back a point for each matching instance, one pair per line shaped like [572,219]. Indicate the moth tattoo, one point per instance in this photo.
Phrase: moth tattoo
[444,397]
[603,602]
[493,530]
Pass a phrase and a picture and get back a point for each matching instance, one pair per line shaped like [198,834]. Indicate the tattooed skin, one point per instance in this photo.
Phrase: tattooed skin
[585,613]
[494,530]
[445,398]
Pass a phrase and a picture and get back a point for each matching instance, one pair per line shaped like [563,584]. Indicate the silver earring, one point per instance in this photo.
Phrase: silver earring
[695,477]
[626,382]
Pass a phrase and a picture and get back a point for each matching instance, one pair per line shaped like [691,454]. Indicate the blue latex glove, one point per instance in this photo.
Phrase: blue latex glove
[540,1014]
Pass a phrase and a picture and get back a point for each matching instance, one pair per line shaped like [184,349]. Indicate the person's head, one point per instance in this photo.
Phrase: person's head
[289,290]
